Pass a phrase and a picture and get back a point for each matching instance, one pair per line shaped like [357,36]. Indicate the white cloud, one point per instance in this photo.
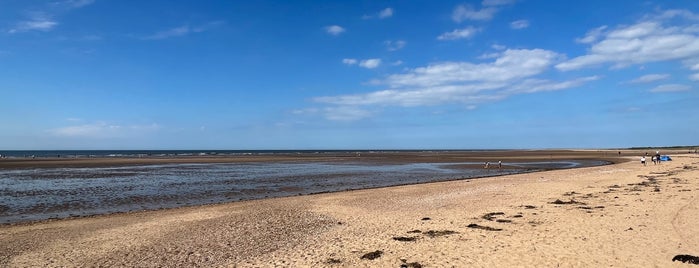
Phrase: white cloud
[512,72]
[383,14]
[459,34]
[646,41]
[670,88]
[592,35]
[345,113]
[694,77]
[174,32]
[349,61]
[497,2]
[77,3]
[396,63]
[370,63]
[467,12]
[649,78]
[386,13]
[103,130]
[182,31]
[334,30]
[394,45]
[519,24]
[37,23]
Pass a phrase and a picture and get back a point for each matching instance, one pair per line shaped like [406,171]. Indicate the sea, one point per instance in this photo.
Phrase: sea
[33,194]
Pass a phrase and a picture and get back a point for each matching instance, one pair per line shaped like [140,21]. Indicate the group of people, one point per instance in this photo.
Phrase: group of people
[655,158]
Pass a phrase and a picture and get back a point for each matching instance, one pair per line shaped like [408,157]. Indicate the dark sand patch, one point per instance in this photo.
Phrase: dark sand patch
[433,233]
[487,228]
[372,255]
[686,259]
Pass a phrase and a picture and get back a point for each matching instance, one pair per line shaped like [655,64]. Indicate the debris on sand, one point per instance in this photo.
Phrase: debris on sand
[333,261]
[372,255]
[561,202]
[411,265]
[414,232]
[487,228]
[433,233]
[491,216]
[426,219]
[405,238]
[686,259]
[529,207]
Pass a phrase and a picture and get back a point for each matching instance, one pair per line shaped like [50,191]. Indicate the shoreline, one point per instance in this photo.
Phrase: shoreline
[374,156]
[68,199]
[620,215]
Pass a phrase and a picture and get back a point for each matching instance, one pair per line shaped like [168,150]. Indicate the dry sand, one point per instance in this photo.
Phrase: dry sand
[622,215]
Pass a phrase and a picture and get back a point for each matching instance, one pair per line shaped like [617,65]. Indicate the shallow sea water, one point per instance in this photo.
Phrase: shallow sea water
[45,193]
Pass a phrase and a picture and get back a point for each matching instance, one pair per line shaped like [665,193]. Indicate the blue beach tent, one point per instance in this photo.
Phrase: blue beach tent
[665,158]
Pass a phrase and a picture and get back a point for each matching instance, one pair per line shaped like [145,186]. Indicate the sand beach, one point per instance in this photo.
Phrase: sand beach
[620,215]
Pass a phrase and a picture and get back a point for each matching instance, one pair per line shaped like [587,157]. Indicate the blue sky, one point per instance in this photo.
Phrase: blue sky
[99,74]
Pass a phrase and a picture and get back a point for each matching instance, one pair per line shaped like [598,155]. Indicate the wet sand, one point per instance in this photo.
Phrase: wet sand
[373,157]
[622,215]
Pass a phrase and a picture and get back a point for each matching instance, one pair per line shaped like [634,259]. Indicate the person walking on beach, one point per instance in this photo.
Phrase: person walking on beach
[499,164]
[653,159]
[487,165]
[643,160]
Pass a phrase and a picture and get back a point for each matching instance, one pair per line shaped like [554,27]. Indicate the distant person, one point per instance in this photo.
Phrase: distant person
[499,164]
[657,156]
[487,164]
[653,159]
[643,160]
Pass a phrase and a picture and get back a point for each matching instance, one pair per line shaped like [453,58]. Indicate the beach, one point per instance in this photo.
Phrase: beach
[620,215]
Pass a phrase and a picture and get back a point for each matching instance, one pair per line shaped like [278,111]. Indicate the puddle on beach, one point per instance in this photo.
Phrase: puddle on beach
[45,193]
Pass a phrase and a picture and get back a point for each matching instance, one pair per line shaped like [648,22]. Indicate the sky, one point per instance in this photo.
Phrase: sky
[490,74]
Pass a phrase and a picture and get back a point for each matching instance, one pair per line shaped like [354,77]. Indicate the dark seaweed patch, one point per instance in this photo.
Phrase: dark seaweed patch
[487,228]
[561,202]
[333,261]
[372,255]
[433,233]
[686,259]
[411,265]
[405,238]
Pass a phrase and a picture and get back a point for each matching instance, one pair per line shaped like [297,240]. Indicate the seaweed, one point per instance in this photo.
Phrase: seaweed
[487,228]
[372,255]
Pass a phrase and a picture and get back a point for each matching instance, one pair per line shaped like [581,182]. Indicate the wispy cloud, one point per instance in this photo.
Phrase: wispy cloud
[350,61]
[37,22]
[370,63]
[334,30]
[467,12]
[395,45]
[497,2]
[43,18]
[366,63]
[487,11]
[670,88]
[519,24]
[182,31]
[459,34]
[666,37]
[74,3]
[386,13]
[383,14]
[99,130]
[649,78]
